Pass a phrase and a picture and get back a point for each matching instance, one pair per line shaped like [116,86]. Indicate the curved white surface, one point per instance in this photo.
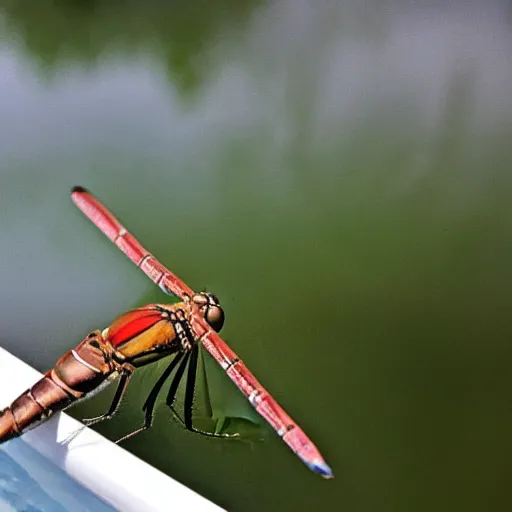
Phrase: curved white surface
[118,477]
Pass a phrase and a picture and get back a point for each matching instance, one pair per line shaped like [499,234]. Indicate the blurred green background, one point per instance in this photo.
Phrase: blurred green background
[338,173]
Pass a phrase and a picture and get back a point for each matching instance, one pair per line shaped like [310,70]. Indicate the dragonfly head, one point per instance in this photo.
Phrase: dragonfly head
[210,309]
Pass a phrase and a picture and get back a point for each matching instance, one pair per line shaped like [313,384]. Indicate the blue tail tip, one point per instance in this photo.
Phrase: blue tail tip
[321,468]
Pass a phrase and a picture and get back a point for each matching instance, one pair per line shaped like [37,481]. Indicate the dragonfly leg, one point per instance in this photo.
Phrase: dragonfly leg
[148,422]
[116,401]
[189,397]
[149,404]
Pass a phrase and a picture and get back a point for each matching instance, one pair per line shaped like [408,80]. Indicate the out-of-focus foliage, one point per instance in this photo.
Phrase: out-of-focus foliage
[58,33]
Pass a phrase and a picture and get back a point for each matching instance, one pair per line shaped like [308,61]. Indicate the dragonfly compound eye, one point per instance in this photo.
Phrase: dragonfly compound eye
[215,317]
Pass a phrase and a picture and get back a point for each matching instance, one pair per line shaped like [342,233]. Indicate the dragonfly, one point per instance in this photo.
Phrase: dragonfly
[143,336]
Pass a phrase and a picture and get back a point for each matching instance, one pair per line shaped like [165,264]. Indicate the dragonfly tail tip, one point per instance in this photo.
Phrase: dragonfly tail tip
[321,467]
[78,188]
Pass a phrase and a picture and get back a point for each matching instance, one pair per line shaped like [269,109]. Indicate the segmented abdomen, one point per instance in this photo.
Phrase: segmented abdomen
[75,374]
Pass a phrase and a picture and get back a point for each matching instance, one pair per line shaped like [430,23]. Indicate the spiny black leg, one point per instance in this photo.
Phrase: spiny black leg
[176,381]
[149,404]
[190,388]
[116,401]
[118,396]
[189,398]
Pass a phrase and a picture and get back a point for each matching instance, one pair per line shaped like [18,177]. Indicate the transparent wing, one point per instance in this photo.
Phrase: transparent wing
[229,409]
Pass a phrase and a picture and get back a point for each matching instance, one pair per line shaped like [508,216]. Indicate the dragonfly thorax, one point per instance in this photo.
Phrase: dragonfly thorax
[210,308]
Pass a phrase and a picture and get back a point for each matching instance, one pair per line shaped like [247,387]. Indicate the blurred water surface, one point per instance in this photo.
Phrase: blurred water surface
[31,483]
[339,174]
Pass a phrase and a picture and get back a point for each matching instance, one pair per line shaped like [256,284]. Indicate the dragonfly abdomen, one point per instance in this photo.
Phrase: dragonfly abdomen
[75,375]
